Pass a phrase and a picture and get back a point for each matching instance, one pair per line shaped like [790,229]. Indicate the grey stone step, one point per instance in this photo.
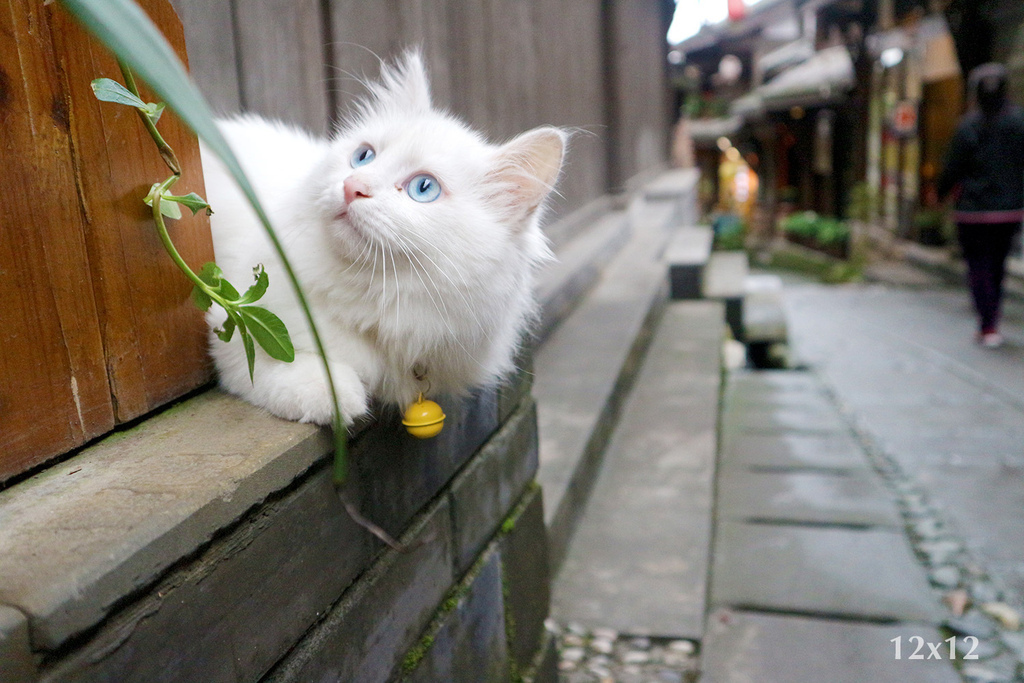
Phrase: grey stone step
[764,318]
[562,284]
[577,222]
[586,365]
[724,279]
[672,184]
[726,275]
[744,647]
[687,256]
[678,189]
[638,562]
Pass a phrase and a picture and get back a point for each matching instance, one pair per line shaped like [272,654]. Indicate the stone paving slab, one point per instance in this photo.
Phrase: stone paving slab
[792,451]
[948,412]
[638,562]
[754,396]
[809,497]
[743,647]
[851,573]
[808,418]
[768,382]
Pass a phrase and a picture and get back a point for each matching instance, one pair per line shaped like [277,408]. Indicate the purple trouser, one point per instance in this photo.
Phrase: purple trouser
[985,247]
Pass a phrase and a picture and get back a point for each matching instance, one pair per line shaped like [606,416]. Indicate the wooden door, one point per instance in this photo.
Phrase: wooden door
[96,326]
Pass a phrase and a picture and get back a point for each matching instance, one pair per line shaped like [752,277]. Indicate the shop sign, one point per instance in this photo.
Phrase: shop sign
[904,119]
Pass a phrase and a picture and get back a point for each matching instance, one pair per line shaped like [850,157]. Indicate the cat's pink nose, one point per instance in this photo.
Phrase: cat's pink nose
[355,188]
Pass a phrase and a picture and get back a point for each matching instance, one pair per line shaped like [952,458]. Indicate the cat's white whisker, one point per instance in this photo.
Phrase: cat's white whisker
[384,279]
[445,317]
[373,272]
[398,292]
[361,259]
[470,308]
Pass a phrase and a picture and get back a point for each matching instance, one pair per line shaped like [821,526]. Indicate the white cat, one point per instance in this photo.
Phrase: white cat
[415,240]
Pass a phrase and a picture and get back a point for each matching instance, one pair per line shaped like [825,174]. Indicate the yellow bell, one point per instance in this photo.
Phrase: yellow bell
[424,419]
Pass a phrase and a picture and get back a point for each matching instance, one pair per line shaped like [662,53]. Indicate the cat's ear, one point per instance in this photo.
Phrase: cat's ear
[403,85]
[526,170]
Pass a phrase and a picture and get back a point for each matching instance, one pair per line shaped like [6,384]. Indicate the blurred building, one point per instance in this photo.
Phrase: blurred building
[843,107]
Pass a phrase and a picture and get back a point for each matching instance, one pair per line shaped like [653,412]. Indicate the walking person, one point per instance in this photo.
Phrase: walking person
[985,171]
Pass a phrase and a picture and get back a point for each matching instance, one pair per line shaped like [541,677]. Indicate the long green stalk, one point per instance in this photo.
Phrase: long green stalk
[127,31]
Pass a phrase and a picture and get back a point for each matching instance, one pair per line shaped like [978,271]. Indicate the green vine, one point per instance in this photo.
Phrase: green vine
[124,28]
[254,323]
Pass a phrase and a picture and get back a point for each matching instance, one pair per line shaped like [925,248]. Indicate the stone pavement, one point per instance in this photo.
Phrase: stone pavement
[945,418]
[870,500]
[813,576]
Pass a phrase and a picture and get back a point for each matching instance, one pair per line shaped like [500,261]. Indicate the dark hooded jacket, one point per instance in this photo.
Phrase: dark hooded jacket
[986,160]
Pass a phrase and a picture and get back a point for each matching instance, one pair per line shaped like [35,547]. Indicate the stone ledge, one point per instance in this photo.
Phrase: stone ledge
[468,643]
[483,492]
[231,612]
[526,578]
[80,536]
[83,538]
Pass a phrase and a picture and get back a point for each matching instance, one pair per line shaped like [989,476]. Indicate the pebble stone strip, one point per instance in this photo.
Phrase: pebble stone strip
[976,605]
[602,655]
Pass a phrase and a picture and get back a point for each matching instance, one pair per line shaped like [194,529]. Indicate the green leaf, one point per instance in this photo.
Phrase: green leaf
[201,299]
[211,274]
[224,334]
[170,209]
[130,34]
[250,352]
[167,208]
[228,291]
[269,331]
[108,90]
[154,110]
[256,291]
[191,200]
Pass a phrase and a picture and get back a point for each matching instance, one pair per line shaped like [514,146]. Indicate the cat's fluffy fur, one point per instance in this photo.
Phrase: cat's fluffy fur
[443,287]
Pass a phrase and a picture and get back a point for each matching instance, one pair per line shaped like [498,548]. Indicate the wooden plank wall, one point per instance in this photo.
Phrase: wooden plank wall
[502,65]
[96,326]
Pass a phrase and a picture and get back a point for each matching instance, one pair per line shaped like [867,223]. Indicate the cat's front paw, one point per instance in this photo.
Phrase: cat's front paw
[352,399]
[294,391]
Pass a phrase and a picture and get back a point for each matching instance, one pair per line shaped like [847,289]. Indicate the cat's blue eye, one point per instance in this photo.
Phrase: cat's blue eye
[363,156]
[424,188]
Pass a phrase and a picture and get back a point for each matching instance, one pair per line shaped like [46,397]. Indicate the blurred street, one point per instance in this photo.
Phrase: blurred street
[949,413]
[864,501]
